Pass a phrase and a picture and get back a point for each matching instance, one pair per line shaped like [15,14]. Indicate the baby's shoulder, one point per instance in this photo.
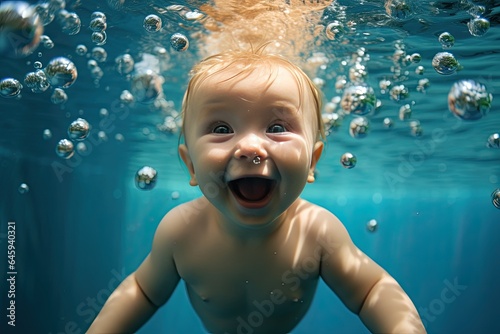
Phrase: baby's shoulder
[182,218]
[312,213]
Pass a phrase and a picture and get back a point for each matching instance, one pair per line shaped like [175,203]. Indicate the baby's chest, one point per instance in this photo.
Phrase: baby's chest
[242,277]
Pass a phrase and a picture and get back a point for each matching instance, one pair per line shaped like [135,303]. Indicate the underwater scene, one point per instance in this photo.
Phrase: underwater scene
[91,96]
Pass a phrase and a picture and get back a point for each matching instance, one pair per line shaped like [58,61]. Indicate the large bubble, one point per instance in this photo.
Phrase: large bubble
[61,72]
[478,26]
[359,100]
[469,100]
[445,63]
[79,129]
[145,178]
[20,29]
[10,87]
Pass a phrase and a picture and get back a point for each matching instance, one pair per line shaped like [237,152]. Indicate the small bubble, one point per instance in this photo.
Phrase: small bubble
[335,30]
[71,24]
[348,160]
[493,141]
[23,188]
[359,126]
[81,148]
[493,179]
[388,123]
[79,129]
[47,134]
[145,178]
[495,198]
[37,64]
[99,37]
[447,40]
[179,42]
[419,70]
[99,54]
[152,23]
[445,63]
[415,58]
[81,50]
[372,225]
[124,63]
[98,15]
[65,149]
[119,137]
[405,112]
[59,96]
[175,195]
[98,24]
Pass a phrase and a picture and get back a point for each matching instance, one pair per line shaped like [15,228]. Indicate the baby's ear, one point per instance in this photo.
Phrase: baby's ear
[184,153]
[317,150]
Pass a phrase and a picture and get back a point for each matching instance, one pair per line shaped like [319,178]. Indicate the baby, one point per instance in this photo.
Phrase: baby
[250,250]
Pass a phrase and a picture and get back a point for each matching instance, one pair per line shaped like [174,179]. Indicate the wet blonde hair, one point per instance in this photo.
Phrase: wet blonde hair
[246,62]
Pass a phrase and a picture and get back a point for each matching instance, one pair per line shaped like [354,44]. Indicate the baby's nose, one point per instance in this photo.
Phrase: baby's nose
[249,147]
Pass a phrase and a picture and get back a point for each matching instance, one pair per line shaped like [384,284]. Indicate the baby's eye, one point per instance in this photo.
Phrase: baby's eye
[222,129]
[276,128]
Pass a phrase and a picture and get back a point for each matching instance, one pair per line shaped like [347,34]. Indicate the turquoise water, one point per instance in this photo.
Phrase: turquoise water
[83,225]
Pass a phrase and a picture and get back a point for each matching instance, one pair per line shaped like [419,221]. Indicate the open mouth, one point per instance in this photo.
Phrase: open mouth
[252,191]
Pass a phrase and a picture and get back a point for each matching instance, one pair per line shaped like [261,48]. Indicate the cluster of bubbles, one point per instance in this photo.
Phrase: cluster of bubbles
[348,160]
[78,130]
[145,178]
[469,100]
[98,26]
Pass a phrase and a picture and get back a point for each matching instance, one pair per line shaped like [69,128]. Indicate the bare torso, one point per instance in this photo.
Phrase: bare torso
[249,285]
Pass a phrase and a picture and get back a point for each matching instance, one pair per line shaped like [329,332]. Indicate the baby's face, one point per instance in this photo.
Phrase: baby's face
[251,143]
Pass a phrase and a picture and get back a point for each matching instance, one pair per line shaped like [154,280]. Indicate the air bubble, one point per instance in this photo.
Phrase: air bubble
[469,100]
[61,72]
[10,87]
[179,42]
[445,63]
[447,40]
[348,160]
[145,178]
[65,149]
[79,129]
[152,23]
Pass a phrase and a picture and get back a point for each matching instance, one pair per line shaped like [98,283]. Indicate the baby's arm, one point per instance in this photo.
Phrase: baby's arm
[138,297]
[362,285]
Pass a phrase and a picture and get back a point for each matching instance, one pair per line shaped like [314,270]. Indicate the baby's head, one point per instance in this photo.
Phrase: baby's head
[241,64]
